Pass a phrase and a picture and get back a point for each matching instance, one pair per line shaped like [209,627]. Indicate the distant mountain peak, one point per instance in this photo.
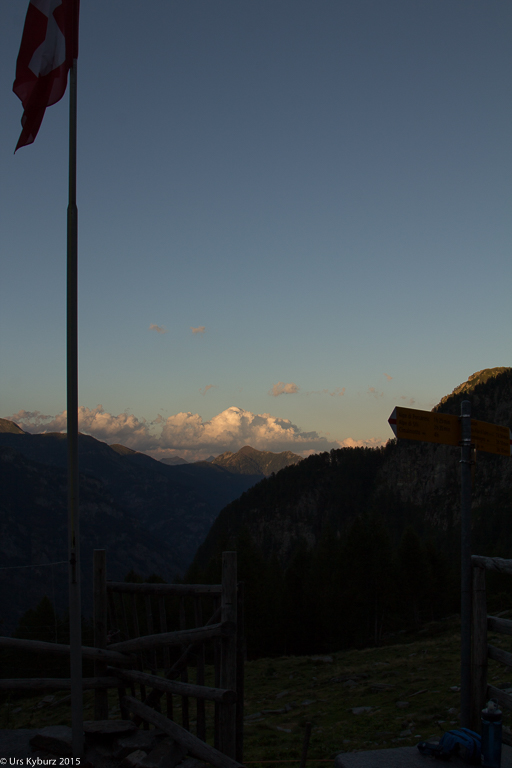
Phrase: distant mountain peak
[473,381]
[9,426]
[250,461]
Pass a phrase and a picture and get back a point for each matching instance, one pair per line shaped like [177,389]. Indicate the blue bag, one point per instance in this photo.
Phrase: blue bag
[463,742]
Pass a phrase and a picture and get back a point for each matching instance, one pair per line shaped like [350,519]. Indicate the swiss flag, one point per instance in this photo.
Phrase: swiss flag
[48,47]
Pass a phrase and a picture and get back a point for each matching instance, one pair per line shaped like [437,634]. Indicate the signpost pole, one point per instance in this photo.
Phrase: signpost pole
[465,564]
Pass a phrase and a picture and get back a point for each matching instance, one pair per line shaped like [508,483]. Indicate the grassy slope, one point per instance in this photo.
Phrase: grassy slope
[421,671]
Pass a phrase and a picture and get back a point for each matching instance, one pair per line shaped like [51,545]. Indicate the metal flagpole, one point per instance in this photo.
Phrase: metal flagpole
[465,564]
[75,618]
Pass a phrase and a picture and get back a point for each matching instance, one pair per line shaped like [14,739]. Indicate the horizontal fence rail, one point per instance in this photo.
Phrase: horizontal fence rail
[39,646]
[173,686]
[492,564]
[56,683]
[164,589]
[180,637]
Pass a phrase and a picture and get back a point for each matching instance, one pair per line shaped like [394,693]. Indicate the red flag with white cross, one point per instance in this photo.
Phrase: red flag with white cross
[48,47]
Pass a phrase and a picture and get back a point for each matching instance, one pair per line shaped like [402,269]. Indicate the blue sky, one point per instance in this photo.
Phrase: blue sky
[310,202]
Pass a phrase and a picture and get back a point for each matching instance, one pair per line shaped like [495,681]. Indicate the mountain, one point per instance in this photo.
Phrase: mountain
[346,545]
[174,461]
[249,461]
[10,427]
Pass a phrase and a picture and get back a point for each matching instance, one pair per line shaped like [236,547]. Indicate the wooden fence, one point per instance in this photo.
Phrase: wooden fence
[132,636]
[482,691]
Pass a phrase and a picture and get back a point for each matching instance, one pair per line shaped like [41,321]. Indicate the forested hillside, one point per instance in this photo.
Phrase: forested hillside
[349,546]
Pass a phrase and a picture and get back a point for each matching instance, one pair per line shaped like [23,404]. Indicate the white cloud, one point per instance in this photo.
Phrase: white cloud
[33,417]
[388,377]
[199,329]
[283,389]
[157,328]
[187,435]
[205,389]
[123,428]
[233,428]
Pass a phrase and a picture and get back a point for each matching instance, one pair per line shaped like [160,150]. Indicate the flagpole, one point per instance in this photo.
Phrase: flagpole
[75,617]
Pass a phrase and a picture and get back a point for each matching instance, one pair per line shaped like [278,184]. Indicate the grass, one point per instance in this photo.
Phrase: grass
[410,690]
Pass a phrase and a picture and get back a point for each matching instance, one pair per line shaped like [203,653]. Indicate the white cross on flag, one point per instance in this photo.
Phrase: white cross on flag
[48,47]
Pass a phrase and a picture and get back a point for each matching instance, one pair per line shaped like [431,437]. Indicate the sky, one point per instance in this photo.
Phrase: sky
[294,215]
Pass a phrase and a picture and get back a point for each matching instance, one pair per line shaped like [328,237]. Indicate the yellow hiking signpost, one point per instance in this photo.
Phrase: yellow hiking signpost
[468,433]
[444,428]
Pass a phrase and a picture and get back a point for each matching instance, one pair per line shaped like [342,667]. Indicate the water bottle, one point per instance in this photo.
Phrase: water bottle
[491,736]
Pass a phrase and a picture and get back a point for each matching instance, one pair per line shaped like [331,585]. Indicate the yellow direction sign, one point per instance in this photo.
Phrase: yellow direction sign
[444,428]
[426,426]
[491,438]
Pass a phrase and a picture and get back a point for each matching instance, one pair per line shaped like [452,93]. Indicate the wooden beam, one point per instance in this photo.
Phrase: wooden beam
[164,589]
[180,637]
[501,697]
[56,683]
[504,657]
[495,624]
[39,646]
[200,709]
[493,563]
[173,686]
[99,568]
[195,746]
[227,715]
[240,669]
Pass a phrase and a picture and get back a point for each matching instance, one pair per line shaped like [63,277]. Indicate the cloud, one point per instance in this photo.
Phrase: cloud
[157,328]
[205,389]
[373,391]
[388,377]
[123,428]
[233,428]
[411,400]
[283,389]
[188,435]
[199,329]
[33,417]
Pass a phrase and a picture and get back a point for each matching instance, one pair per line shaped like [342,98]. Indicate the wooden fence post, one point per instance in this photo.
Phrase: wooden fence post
[100,628]
[479,650]
[240,661]
[200,709]
[227,724]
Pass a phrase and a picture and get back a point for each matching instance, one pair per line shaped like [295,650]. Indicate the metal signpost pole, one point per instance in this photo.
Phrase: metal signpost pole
[465,564]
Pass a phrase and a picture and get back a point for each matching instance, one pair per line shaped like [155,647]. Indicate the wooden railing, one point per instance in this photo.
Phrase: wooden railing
[122,662]
[481,690]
